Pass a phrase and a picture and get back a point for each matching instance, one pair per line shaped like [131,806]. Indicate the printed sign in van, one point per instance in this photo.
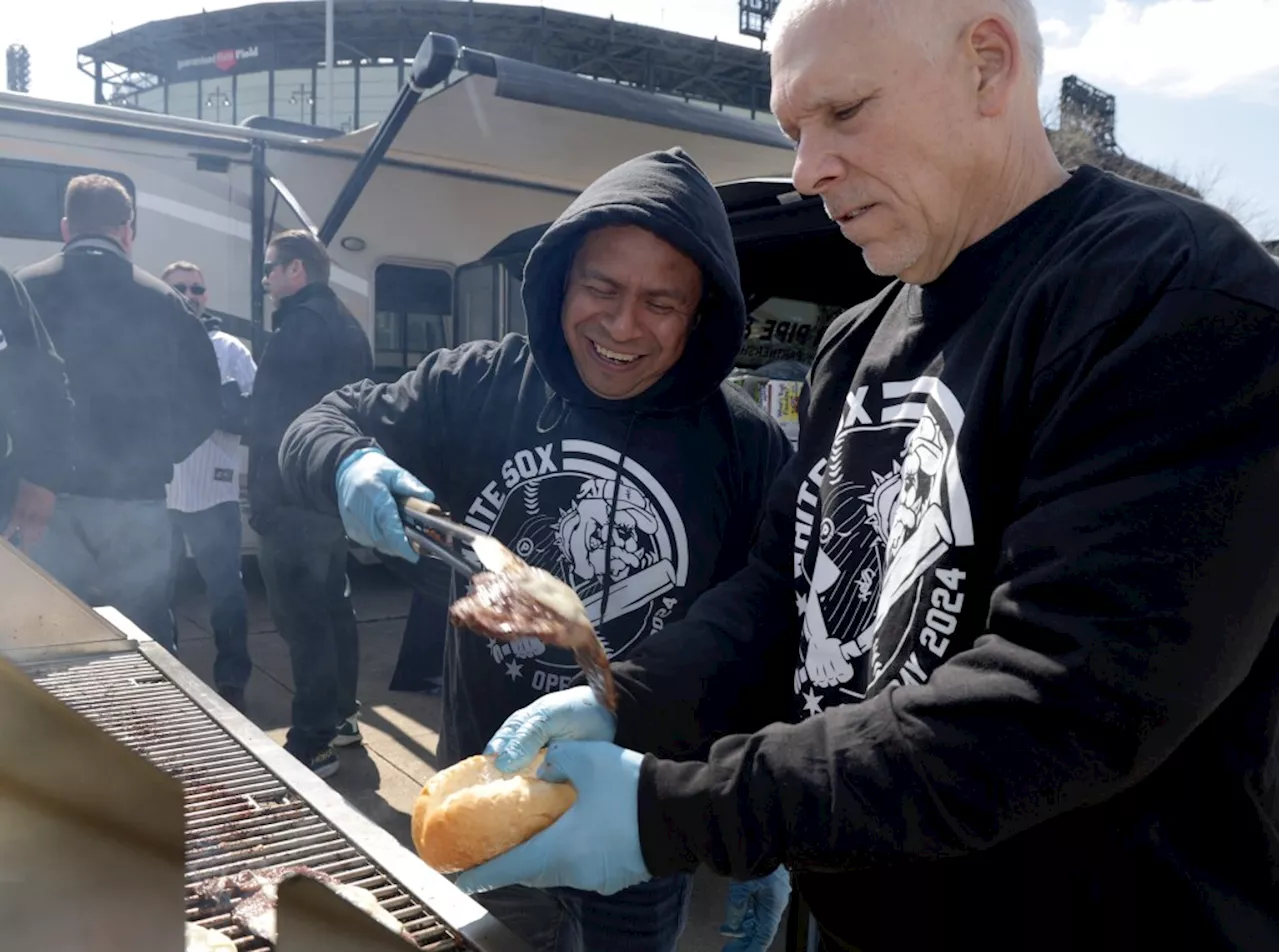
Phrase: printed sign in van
[782,329]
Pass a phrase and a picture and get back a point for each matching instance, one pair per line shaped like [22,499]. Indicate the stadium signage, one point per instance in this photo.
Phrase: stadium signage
[223,62]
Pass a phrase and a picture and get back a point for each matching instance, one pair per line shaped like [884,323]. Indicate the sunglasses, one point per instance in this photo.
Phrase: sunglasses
[196,289]
[269,266]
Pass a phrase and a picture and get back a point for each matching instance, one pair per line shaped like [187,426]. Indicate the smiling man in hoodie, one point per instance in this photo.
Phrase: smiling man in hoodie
[605,448]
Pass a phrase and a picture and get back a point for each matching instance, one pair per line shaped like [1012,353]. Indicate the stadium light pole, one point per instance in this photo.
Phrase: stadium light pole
[328,62]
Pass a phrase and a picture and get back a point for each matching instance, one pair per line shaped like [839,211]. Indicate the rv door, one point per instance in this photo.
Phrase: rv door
[487,303]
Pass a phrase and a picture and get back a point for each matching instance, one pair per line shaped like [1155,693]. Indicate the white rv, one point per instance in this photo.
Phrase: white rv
[497,146]
[428,215]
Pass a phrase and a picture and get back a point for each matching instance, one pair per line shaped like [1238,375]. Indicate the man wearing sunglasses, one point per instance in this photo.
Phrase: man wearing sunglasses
[316,347]
[144,381]
[204,496]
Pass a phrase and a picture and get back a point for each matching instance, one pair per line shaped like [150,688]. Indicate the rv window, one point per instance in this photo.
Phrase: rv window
[489,305]
[31,196]
[412,307]
[478,300]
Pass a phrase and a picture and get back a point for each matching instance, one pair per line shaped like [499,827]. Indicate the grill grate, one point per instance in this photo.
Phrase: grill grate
[238,815]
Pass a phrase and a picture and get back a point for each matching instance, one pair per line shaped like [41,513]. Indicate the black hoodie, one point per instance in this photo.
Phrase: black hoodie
[1019,582]
[35,404]
[514,444]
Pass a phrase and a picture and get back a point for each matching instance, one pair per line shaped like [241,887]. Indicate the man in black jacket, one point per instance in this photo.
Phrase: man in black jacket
[316,347]
[35,417]
[145,384]
[605,448]
[1019,581]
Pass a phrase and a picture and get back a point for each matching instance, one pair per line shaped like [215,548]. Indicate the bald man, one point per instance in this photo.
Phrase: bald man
[1009,632]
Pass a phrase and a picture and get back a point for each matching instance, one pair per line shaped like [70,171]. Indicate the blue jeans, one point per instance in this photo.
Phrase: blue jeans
[112,552]
[214,537]
[645,918]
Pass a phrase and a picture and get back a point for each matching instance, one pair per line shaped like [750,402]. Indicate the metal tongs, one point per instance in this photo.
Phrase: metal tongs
[432,533]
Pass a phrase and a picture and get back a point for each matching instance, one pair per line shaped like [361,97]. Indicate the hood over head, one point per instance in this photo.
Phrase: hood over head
[667,194]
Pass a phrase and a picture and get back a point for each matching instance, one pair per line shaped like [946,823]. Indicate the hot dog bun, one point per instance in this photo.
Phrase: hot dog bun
[472,812]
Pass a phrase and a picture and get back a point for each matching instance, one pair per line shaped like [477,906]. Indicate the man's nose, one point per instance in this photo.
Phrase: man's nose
[623,321]
[815,167]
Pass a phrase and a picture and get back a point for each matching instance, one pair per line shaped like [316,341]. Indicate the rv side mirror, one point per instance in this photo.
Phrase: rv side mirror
[434,61]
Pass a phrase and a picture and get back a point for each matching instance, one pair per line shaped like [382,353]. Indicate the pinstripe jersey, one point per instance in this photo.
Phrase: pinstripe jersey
[211,474]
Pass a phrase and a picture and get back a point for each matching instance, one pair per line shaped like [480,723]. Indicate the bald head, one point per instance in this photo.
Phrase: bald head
[917,121]
[930,21]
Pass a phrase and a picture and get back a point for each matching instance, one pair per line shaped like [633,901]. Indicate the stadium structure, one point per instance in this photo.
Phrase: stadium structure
[267,59]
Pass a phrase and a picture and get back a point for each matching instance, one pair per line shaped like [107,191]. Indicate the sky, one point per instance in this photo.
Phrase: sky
[1197,82]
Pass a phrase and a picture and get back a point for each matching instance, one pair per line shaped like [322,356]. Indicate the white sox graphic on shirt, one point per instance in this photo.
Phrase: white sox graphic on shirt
[879,589]
[550,504]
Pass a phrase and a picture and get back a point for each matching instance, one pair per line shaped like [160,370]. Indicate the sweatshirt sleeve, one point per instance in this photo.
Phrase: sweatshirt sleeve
[763,450]
[414,420]
[715,672]
[716,669]
[35,395]
[1135,589]
[195,394]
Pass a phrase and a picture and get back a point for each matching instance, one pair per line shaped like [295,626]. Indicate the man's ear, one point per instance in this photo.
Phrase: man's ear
[997,52]
[66,231]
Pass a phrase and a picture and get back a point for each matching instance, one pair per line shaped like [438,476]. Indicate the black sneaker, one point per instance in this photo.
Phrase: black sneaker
[323,763]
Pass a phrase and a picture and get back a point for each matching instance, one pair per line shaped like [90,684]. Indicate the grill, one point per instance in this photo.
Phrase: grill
[247,804]
[239,816]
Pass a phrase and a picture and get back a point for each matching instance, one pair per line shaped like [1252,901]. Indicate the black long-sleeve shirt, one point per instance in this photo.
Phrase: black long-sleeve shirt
[1013,606]
[35,405]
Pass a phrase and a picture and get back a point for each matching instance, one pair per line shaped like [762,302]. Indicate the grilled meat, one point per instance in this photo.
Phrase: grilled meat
[514,600]
[251,897]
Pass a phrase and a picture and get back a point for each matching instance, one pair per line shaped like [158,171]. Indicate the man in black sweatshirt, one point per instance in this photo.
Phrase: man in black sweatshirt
[1014,600]
[35,417]
[316,346]
[145,383]
[605,448]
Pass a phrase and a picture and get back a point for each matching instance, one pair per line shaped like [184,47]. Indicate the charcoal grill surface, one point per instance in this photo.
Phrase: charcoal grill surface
[239,815]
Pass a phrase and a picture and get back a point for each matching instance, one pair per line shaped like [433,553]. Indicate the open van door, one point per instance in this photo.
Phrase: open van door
[487,304]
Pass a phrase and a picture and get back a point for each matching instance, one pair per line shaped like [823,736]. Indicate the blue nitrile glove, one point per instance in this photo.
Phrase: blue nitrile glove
[596,844]
[366,480]
[572,714]
[754,911]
